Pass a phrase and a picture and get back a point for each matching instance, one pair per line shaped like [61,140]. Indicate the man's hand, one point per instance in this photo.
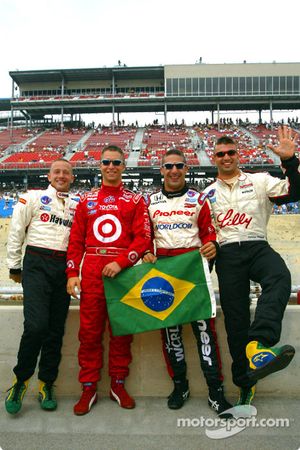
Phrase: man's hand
[149,258]
[16,277]
[73,287]
[111,269]
[287,143]
[208,250]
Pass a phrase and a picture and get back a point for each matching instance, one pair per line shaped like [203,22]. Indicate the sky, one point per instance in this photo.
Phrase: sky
[64,34]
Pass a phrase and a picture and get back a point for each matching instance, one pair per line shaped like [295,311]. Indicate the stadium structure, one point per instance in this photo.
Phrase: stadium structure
[43,104]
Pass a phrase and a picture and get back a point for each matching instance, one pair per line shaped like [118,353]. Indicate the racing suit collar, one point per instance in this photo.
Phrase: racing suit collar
[175,194]
[53,191]
[110,189]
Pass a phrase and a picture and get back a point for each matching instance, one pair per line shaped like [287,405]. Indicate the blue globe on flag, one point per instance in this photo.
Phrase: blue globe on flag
[157,294]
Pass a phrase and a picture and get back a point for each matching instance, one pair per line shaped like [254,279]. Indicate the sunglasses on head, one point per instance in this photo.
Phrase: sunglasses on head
[178,165]
[228,152]
[115,162]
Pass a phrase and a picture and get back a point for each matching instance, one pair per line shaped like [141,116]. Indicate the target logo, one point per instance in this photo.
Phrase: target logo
[107,228]
[45,217]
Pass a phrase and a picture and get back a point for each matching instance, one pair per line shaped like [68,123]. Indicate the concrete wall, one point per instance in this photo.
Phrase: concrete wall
[148,375]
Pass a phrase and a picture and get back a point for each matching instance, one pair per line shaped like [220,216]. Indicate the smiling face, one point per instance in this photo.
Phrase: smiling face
[61,175]
[226,158]
[174,178]
[111,174]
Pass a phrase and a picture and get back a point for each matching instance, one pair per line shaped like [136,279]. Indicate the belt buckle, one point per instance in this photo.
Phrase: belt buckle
[101,251]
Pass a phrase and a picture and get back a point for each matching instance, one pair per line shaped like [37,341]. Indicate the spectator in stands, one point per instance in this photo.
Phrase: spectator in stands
[112,229]
[198,233]
[44,219]
[241,204]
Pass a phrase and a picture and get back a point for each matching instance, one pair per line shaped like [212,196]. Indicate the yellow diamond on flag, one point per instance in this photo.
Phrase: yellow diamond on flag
[158,294]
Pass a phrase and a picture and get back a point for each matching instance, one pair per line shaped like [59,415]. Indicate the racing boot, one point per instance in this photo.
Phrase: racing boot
[180,393]
[87,400]
[47,396]
[265,360]
[218,402]
[119,394]
[246,396]
[13,401]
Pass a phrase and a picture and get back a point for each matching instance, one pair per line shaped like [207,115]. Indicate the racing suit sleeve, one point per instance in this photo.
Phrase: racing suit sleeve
[288,190]
[141,231]
[206,228]
[21,218]
[76,247]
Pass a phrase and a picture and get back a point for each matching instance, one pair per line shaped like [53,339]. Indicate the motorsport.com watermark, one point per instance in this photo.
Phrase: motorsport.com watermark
[218,428]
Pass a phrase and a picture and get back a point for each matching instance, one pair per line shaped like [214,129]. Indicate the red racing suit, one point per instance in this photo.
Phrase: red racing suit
[110,224]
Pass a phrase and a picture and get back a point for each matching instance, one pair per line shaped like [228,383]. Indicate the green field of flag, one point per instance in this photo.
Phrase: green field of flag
[173,291]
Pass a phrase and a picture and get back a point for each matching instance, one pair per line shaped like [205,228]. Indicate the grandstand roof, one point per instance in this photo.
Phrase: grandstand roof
[104,73]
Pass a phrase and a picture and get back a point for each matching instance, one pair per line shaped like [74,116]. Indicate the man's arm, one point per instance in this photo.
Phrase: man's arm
[76,245]
[285,191]
[20,221]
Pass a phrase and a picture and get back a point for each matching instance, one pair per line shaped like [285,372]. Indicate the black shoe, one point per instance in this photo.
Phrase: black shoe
[179,395]
[218,402]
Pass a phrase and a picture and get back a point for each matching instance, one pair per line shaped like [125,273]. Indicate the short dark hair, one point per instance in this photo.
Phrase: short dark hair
[174,151]
[113,148]
[226,140]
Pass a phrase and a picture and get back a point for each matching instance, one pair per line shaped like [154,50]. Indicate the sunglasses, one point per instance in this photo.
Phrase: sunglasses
[229,153]
[178,165]
[115,162]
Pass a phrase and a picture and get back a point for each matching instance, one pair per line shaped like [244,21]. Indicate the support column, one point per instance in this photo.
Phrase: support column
[165,117]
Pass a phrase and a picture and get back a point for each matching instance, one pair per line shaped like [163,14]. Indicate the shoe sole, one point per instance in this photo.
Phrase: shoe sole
[280,362]
[79,413]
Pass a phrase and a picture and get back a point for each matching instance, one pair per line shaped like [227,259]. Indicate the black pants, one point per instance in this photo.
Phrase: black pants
[46,305]
[236,265]
[205,334]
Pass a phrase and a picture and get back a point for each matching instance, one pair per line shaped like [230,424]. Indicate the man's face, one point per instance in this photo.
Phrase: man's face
[61,176]
[226,159]
[111,169]
[174,177]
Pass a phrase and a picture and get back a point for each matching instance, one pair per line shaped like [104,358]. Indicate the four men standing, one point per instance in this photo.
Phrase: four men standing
[111,231]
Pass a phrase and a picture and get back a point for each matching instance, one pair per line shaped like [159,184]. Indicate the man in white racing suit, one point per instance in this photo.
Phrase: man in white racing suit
[181,223]
[42,219]
[241,204]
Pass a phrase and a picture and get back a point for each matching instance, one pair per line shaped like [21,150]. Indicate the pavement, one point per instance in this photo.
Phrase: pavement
[151,425]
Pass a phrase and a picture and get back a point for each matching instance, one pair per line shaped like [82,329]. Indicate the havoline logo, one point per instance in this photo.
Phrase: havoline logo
[60,221]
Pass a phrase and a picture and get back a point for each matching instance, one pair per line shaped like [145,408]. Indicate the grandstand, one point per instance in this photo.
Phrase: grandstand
[27,151]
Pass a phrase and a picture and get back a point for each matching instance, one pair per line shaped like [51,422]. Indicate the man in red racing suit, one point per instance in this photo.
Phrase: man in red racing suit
[111,230]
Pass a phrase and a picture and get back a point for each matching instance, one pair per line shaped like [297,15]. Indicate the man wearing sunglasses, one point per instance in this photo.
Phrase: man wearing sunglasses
[181,222]
[242,203]
[111,231]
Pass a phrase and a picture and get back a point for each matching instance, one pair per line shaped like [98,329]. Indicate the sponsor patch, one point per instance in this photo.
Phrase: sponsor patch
[45,208]
[133,256]
[91,205]
[109,199]
[91,212]
[22,200]
[191,193]
[70,264]
[46,200]
[62,195]
[45,217]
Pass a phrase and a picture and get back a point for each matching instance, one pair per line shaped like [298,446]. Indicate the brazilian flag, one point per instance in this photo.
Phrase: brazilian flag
[175,290]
